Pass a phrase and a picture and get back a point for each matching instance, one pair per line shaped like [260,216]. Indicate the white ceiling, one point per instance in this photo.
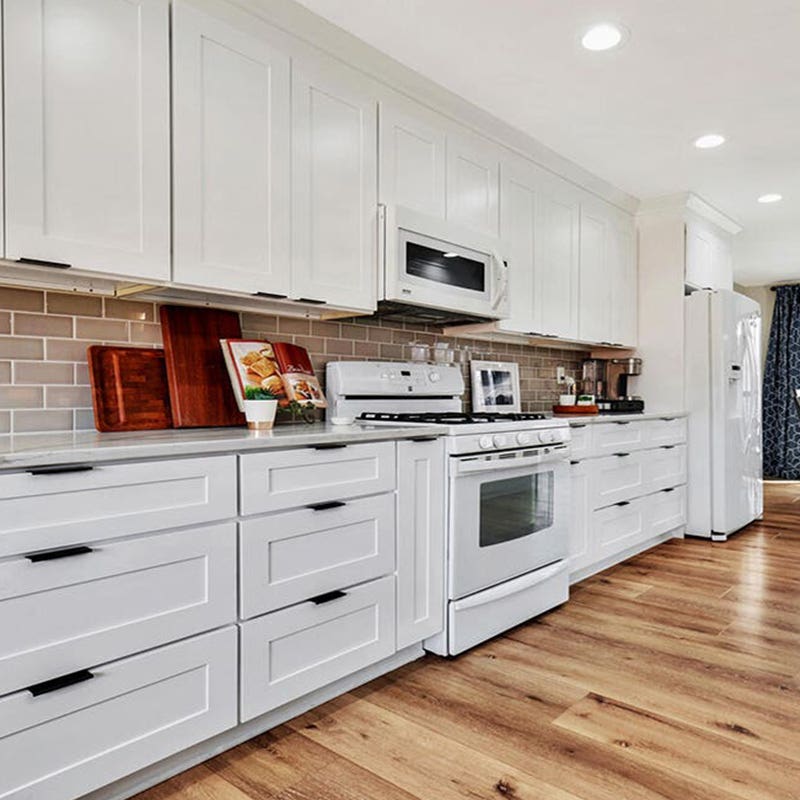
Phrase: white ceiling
[630,115]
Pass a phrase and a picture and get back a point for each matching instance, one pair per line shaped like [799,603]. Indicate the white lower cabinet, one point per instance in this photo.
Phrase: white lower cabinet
[290,557]
[91,605]
[625,501]
[581,548]
[619,527]
[62,739]
[420,540]
[289,653]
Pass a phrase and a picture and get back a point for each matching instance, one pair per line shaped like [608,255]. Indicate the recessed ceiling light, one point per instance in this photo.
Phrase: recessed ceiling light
[604,36]
[770,198]
[708,141]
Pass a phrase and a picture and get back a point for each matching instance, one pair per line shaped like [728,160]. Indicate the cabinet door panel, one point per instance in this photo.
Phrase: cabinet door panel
[420,541]
[624,285]
[231,185]
[412,153]
[473,176]
[519,233]
[334,160]
[87,134]
[557,265]
[595,278]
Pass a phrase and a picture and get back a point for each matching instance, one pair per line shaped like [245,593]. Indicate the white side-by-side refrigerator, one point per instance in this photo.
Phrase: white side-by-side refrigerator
[723,393]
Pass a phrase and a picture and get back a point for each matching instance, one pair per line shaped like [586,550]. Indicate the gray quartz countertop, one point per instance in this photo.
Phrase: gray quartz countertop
[595,419]
[42,449]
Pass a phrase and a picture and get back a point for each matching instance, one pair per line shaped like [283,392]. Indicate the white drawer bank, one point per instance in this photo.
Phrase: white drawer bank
[156,612]
[628,488]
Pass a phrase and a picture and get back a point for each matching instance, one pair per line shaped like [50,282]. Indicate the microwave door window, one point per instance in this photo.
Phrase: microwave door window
[515,507]
[449,270]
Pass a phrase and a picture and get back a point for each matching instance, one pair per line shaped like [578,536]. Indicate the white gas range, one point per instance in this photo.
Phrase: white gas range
[508,494]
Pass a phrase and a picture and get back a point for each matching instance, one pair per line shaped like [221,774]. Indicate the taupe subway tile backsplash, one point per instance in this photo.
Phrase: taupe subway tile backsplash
[44,379]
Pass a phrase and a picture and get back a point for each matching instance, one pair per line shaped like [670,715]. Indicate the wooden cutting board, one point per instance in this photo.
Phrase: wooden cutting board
[199,388]
[129,388]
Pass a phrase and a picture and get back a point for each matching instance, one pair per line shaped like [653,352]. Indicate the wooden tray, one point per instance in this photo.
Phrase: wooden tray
[581,410]
[199,387]
[129,388]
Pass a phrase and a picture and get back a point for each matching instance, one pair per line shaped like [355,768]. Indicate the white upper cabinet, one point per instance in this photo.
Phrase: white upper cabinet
[87,134]
[473,182]
[594,317]
[709,263]
[624,281]
[540,227]
[412,162]
[334,185]
[231,188]
[607,312]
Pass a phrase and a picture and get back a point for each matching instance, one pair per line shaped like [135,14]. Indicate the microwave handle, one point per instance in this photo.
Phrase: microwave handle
[499,279]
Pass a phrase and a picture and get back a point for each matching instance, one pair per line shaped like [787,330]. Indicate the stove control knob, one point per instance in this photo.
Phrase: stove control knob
[556,437]
[524,438]
[499,441]
[545,437]
[485,442]
[434,377]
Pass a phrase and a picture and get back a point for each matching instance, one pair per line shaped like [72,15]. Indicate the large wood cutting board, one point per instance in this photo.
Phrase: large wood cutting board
[199,388]
[129,388]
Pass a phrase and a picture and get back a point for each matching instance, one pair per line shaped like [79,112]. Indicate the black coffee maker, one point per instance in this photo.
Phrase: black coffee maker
[607,380]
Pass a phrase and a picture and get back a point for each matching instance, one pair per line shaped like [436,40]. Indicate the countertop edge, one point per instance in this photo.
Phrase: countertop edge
[599,419]
[180,444]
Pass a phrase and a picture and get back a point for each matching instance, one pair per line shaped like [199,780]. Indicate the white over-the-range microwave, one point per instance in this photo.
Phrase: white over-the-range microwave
[444,271]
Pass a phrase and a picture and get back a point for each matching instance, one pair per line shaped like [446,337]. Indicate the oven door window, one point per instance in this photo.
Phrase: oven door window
[450,270]
[515,507]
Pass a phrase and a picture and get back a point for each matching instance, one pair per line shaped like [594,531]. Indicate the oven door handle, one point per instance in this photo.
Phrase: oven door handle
[470,466]
[510,587]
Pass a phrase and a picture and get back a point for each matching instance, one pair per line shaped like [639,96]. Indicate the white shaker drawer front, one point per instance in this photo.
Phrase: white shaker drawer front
[289,653]
[48,507]
[616,437]
[60,742]
[618,477]
[666,430]
[620,527]
[580,441]
[290,557]
[664,467]
[667,510]
[60,610]
[291,478]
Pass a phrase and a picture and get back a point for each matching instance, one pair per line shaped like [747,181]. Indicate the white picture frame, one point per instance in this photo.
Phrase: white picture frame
[495,387]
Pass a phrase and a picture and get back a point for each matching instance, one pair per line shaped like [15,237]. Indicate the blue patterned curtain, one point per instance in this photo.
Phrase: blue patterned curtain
[781,380]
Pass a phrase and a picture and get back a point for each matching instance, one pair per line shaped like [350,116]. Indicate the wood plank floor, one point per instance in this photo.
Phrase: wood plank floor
[674,675]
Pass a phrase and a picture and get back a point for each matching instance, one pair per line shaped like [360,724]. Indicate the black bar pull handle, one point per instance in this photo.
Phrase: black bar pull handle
[668,419]
[577,424]
[329,446]
[60,469]
[326,506]
[623,503]
[62,682]
[574,463]
[328,597]
[54,555]
[671,489]
[270,295]
[621,455]
[423,438]
[40,262]
[667,446]
[311,301]
[622,422]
